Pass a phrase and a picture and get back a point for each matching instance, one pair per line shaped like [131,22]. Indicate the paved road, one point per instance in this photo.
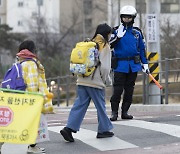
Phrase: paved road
[149,132]
[156,132]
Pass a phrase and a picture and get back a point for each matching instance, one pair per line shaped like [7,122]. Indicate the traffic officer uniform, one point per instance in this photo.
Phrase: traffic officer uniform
[129,57]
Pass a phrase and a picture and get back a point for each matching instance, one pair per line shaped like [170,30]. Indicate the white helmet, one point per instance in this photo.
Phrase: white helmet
[128,10]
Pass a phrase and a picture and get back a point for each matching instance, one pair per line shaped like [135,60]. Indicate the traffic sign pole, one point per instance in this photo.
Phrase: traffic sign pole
[153,45]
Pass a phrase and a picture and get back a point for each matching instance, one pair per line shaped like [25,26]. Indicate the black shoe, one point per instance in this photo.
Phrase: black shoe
[67,134]
[126,116]
[105,135]
[114,116]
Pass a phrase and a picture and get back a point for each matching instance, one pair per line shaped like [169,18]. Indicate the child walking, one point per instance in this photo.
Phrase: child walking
[93,89]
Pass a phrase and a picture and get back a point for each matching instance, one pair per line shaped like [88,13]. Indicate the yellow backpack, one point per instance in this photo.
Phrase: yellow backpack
[84,58]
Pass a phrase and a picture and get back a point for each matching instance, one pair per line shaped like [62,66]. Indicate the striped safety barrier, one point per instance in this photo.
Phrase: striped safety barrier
[153,58]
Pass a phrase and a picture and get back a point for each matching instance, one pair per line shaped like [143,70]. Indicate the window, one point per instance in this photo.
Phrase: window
[169,1]
[167,6]
[141,6]
[34,14]
[20,4]
[87,7]
[41,21]
[170,6]
[40,2]
[88,24]
[20,23]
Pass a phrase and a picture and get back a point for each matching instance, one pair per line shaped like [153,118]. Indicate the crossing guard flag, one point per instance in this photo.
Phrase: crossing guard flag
[19,116]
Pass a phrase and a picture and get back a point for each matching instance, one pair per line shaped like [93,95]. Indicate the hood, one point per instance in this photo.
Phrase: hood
[99,39]
[26,54]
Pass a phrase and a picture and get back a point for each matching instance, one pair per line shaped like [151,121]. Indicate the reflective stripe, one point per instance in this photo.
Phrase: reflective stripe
[17,70]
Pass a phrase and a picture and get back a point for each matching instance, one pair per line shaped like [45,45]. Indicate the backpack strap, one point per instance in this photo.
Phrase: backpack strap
[18,70]
[98,64]
[29,59]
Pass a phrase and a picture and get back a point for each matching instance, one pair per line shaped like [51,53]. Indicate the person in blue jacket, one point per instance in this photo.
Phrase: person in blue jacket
[129,57]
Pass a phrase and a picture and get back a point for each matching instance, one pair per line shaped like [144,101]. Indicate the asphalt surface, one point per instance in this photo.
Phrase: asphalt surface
[154,129]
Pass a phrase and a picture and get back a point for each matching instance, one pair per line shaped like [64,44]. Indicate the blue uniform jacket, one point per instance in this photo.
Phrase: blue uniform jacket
[130,45]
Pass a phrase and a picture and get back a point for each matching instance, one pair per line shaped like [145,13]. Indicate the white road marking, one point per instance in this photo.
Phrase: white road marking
[142,117]
[89,118]
[51,121]
[55,124]
[89,137]
[147,148]
[169,129]
[9,148]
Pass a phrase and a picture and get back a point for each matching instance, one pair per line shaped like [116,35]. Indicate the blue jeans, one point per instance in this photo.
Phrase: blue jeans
[78,111]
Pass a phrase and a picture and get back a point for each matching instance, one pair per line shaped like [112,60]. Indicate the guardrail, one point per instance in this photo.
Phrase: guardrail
[64,87]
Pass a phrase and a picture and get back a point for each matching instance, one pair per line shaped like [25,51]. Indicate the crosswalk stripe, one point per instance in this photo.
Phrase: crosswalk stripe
[10,148]
[89,137]
[169,129]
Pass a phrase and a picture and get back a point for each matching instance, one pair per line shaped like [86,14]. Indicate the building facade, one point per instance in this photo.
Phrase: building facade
[82,15]
[22,15]
[79,15]
[3,11]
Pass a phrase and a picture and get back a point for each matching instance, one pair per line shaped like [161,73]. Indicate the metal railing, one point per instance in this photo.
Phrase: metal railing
[64,87]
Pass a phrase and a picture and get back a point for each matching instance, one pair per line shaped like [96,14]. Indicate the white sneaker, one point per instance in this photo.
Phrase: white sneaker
[36,149]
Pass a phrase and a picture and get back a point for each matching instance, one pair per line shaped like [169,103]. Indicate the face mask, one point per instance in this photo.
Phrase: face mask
[127,16]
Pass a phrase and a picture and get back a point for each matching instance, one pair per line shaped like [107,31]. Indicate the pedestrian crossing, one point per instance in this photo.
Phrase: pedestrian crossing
[169,129]
[89,137]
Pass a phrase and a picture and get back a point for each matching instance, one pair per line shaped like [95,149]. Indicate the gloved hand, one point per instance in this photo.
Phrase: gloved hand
[108,81]
[120,31]
[145,68]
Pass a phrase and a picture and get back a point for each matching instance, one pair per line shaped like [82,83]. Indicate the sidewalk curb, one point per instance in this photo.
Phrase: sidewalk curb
[155,108]
[134,108]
